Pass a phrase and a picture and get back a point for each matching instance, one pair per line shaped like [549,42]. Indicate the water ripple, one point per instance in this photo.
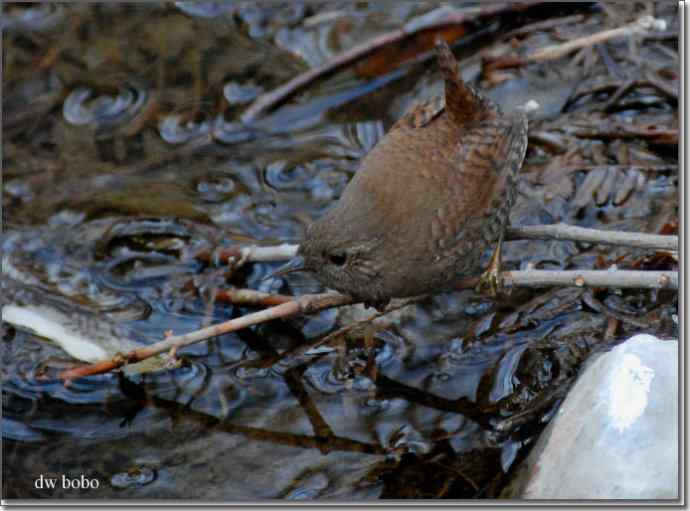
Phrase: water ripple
[133,478]
[207,9]
[174,129]
[238,94]
[230,132]
[216,189]
[281,176]
[105,112]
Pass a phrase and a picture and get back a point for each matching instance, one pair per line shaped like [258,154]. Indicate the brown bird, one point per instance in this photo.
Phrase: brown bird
[426,203]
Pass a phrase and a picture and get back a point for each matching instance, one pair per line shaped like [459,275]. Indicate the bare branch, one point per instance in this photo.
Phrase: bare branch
[574,233]
[592,278]
[306,304]
[249,254]
[309,304]
[618,130]
[251,297]
[563,232]
[643,26]
[640,26]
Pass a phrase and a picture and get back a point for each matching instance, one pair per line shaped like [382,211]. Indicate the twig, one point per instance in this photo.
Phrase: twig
[644,25]
[618,95]
[565,232]
[662,86]
[309,304]
[654,133]
[443,17]
[249,253]
[641,26]
[254,253]
[251,297]
[631,85]
[652,169]
[594,90]
[306,304]
[612,66]
[622,279]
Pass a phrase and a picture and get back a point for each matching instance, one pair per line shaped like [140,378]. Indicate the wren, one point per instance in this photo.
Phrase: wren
[427,201]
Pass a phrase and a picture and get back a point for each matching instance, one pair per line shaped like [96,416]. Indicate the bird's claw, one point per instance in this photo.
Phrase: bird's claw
[490,283]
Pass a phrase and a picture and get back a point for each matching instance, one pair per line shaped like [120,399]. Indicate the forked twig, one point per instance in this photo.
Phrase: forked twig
[306,304]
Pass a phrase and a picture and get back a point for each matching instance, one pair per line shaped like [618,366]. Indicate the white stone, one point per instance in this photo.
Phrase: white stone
[616,433]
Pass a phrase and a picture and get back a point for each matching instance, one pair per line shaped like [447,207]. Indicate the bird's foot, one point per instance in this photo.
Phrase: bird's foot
[491,282]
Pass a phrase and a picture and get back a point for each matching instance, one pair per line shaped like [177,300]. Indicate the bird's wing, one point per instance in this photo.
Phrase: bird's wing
[496,146]
[422,113]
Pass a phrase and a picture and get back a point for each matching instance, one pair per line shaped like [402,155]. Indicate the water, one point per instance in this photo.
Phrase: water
[124,155]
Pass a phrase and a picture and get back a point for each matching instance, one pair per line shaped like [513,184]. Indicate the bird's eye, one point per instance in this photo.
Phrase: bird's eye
[338,258]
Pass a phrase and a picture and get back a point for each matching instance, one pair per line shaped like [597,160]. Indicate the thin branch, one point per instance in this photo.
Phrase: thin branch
[620,279]
[249,254]
[654,133]
[643,26]
[251,297]
[565,232]
[649,169]
[627,87]
[640,26]
[306,304]
[440,18]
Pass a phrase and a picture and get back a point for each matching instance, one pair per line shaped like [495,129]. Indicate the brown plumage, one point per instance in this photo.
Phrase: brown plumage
[427,201]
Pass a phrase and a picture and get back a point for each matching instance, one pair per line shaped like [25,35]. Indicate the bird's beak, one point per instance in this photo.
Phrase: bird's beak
[295,264]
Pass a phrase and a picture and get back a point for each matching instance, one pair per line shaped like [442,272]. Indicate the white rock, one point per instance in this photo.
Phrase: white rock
[616,433]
